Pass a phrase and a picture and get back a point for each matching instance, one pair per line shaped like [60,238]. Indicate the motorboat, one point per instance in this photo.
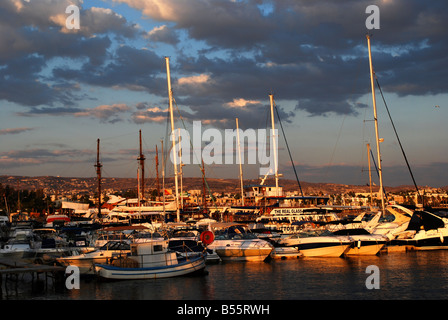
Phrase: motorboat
[315,243]
[425,231]
[187,242]
[20,241]
[235,242]
[364,243]
[395,221]
[86,261]
[151,260]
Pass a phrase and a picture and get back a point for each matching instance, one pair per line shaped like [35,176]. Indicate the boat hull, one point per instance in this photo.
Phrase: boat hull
[322,246]
[239,254]
[86,266]
[242,250]
[188,267]
[331,251]
[366,249]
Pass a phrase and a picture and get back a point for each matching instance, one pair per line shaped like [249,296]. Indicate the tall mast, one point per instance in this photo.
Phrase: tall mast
[181,174]
[141,160]
[380,171]
[241,163]
[98,166]
[173,135]
[157,173]
[271,98]
[370,175]
[163,180]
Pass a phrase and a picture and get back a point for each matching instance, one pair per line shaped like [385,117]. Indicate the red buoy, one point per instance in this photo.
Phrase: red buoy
[207,237]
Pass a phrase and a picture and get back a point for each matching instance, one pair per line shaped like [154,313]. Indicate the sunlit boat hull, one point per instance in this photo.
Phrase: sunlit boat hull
[242,250]
[187,267]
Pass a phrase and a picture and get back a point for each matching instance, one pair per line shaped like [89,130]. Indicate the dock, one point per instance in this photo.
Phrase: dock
[11,269]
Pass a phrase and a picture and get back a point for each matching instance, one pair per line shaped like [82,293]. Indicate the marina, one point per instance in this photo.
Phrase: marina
[255,241]
[403,276]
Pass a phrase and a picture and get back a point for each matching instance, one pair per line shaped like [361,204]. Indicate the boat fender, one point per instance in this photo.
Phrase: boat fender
[359,244]
[207,237]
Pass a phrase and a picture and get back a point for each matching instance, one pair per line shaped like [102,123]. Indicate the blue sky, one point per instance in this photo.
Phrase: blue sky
[61,89]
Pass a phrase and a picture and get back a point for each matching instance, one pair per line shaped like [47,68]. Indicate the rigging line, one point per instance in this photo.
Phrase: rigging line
[399,142]
[289,151]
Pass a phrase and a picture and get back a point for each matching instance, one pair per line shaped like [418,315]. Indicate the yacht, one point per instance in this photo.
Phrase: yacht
[235,242]
[425,231]
[315,243]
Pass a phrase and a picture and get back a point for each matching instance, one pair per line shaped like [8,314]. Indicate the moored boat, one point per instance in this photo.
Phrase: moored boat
[316,244]
[86,261]
[234,242]
[364,243]
[151,260]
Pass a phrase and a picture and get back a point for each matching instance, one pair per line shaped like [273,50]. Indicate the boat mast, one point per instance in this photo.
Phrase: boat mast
[173,135]
[141,160]
[271,98]
[163,181]
[98,166]
[157,173]
[181,173]
[380,171]
[241,163]
[370,175]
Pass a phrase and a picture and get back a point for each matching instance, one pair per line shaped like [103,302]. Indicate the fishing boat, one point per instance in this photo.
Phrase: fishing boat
[86,261]
[235,242]
[151,260]
[317,244]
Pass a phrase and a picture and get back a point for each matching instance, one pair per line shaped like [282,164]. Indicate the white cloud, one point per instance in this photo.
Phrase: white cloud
[241,103]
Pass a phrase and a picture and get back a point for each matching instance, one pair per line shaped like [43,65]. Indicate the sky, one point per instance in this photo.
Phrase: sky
[62,88]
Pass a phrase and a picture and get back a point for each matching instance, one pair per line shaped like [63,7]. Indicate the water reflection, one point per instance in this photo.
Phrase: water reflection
[411,275]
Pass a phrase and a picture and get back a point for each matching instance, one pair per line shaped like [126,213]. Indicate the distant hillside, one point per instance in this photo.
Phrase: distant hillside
[52,184]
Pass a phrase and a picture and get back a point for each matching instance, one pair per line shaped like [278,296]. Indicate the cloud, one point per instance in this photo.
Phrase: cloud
[14,130]
[241,103]
[163,34]
[104,112]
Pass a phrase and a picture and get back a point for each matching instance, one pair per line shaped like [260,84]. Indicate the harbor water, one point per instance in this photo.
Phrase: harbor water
[413,275]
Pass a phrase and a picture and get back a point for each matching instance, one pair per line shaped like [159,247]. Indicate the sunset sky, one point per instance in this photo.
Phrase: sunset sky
[62,89]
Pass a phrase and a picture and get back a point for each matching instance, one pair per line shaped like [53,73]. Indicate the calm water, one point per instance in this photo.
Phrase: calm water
[403,276]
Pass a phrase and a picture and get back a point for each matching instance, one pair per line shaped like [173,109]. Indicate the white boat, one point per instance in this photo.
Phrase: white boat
[393,223]
[151,260]
[86,261]
[364,243]
[20,241]
[234,242]
[425,231]
[187,242]
[316,244]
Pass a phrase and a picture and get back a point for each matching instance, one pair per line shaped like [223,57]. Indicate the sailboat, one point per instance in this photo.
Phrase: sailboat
[288,212]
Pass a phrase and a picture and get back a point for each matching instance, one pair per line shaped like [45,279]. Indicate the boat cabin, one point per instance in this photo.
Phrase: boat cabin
[153,254]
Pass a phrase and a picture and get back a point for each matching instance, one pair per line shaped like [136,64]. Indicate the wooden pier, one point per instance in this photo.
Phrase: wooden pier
[11,269]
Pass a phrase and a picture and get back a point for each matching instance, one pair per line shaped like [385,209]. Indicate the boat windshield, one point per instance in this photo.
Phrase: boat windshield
[234,232]
[116,245]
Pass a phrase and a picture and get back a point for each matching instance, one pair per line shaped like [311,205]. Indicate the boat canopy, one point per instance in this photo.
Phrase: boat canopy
[425,220]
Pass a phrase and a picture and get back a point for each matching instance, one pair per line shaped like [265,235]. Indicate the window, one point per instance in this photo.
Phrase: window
[158,247]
